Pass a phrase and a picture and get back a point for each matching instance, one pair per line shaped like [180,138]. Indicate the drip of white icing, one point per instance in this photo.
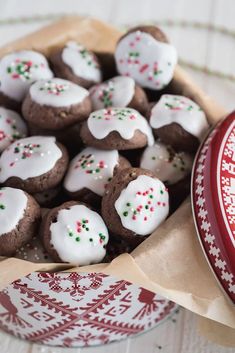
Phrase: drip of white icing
[181,110]
[123,120]
[13,203]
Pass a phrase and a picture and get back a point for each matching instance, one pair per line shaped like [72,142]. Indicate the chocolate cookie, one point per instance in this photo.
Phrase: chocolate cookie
[120,92]
[90,172]
[108,64]
[19,217]
[12,127]
[17,72]
[168,165]
[33,164]
[33,251]
[77,64]
[116,128]
[55,104]
[75,234]
[135,204]
[179,122]
[49,198]
[144,54]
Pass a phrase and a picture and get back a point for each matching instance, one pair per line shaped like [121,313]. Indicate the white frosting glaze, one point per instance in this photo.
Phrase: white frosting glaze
[82,62]
[79,235]
[12,127]
[143,205]
[116,92]
[91,169]
[13,203]
[181,110]
[150,62]
[123,120]
[29,158]
[168,165]
[57,93]
[18,70]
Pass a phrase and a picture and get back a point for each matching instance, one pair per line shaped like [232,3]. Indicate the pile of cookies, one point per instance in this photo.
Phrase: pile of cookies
[94,153]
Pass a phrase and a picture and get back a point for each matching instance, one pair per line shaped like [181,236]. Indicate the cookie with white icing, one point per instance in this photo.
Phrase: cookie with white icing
[19,218]
[33,164]
[120,92]
[77,64]
[75,234]
[144,54]
[12,127]
[179,122]
[117,128]
[18,71]
[167,164]
[90,172]
[55,104]
[135,204]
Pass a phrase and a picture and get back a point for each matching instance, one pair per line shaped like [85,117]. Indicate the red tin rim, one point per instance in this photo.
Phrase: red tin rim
[208,216]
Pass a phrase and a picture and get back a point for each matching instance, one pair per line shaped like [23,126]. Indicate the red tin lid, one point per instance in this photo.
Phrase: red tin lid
[213,201]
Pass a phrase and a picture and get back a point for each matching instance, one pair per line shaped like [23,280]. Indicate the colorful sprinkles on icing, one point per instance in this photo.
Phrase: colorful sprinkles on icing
[29,157]
[143,205]
[168,165]
[57,92]
[182,110]
[18,70]
[92,169]
[22,69]
[116,92]
[124,120]
[150,62]
[12,127]
[79,235]
[54,87]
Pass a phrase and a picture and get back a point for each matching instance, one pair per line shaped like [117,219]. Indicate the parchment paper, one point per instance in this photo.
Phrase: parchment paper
[170,262]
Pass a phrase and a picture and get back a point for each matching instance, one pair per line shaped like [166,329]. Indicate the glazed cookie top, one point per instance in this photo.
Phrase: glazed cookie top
[57,92]
[143,205]
[79,235]
[12,127]
[181,110]
[13,203]
[168,165]
[116,92]
[91,169]
[150,62]
[123,120]
[81,61]
[18,70]
[29,158]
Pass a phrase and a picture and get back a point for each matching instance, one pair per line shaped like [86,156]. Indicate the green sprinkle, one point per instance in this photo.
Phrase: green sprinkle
[91,240]
[125,214]
[77,239]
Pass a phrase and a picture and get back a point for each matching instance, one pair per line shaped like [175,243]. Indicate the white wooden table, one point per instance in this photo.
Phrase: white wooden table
[197,46]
